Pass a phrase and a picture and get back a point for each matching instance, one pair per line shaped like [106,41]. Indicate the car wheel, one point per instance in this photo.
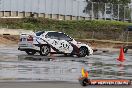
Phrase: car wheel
[82,52]
[125,49]
[29,52]
[44,50]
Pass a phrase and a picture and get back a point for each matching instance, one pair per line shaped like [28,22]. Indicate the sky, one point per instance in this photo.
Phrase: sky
[65,7]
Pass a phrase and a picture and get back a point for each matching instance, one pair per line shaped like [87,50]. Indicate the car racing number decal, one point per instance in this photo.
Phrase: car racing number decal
[64,45]
[61,44]
[54,42]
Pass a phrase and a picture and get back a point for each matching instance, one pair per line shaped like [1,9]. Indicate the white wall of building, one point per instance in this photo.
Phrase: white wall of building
[64,7]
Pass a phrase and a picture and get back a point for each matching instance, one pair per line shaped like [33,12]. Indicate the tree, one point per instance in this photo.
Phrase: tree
[112,1]
[100,6]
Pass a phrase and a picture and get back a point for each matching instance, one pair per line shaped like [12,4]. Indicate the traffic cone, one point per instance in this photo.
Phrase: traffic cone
[121,56]
[84,73]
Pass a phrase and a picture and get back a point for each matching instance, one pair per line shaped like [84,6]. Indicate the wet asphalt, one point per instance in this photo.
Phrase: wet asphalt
[56,85]
[16,66]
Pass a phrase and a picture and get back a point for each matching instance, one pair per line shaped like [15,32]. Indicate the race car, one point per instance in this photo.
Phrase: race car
[46,42]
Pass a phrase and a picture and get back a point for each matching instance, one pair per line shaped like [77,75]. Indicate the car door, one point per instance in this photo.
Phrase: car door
[64,44]
[58,42]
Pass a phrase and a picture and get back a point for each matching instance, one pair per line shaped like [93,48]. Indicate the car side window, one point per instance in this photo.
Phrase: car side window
[52,35]
[63,36]
[57,35]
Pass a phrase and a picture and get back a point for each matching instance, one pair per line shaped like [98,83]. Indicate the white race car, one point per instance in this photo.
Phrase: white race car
[46,42]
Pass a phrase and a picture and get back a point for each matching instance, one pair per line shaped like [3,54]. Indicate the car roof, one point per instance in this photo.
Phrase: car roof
[53,31]
[48,31]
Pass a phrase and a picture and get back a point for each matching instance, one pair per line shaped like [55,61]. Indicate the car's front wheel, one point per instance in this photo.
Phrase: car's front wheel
[44,50]
[30,52]
[83,51]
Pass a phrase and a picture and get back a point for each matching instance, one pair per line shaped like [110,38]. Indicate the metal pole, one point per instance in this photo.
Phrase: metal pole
[86,15]
[24,8]
[105,11]
[38,6]
[59,9]
[52,8]
[78,11]
[10,8]
[118,12]
[124,13]
[45,6]
[24,5]
[65,11]
[131,10]
[92,11]
[1,12]
[17,7]
[72,9]
[11,4]
[31,5]
[3,8]
[111,11]
[0,5]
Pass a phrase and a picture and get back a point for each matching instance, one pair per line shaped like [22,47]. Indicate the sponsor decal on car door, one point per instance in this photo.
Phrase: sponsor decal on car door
[59,41]
[60,45]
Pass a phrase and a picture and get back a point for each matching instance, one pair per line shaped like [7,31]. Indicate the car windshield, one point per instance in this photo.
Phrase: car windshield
[39,33]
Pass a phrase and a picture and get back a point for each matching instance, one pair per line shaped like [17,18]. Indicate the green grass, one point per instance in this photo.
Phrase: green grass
[78,29]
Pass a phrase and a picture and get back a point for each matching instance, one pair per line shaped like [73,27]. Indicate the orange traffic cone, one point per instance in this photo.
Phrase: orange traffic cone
[121,56]
[84,73]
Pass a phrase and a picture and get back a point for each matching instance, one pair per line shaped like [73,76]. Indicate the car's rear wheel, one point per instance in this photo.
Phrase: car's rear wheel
[30,52]
[83,51]
[44,50]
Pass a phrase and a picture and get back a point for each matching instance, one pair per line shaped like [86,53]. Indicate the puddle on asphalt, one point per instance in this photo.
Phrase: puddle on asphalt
[40,71]
[60,68]
[31,68]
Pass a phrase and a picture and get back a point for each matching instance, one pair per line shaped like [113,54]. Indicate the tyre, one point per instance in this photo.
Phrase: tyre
[83,51]
[30,52]
[44,50]
[125,49]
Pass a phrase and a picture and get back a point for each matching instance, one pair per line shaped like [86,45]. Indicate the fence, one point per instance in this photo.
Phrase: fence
[115,36]
[80,8]
[108,11]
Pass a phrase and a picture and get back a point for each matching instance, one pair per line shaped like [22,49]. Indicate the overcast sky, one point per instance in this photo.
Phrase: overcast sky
[68,7]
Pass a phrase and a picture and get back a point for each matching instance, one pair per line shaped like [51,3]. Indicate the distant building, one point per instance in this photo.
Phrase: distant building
[55,9]
[63,7]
